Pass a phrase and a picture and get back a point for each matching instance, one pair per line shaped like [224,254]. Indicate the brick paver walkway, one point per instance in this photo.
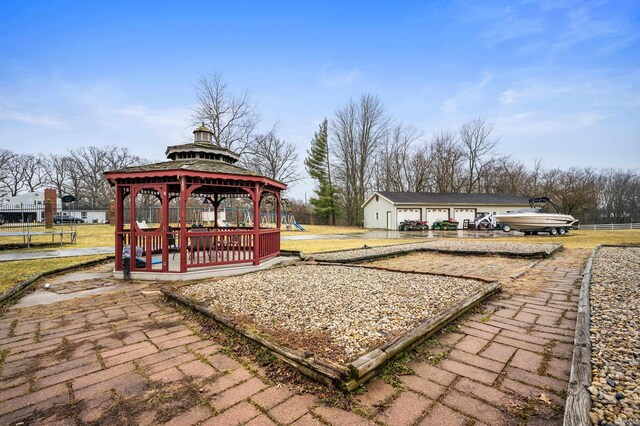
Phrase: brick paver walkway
[127,357]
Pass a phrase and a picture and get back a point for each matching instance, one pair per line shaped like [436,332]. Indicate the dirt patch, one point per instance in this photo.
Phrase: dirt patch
[158,325]
[166,400]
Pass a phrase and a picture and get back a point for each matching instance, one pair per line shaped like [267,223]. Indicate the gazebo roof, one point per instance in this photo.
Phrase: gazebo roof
[204,147]
[195,164]
[202,158]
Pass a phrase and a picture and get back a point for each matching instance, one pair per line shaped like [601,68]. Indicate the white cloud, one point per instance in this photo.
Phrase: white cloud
[32,119]
[339,78]
[467,94]
[449,106]
[508,97]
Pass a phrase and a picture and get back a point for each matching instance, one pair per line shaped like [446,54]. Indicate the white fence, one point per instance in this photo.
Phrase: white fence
[610,226]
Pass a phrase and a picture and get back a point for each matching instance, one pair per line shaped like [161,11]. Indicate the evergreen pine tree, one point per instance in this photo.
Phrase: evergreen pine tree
[319,168]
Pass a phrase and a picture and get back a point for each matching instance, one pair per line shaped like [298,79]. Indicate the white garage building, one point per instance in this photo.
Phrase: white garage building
[385,210]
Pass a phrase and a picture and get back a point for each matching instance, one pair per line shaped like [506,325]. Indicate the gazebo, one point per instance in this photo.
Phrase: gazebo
[197,173]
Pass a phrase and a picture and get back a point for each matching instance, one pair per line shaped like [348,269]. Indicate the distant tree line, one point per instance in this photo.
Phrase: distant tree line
[365,150]
[78,172]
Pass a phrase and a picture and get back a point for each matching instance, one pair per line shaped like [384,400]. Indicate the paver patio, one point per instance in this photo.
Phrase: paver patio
[123,353]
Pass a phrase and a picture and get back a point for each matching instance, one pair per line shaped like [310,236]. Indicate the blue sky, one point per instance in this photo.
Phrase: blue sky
[559,81]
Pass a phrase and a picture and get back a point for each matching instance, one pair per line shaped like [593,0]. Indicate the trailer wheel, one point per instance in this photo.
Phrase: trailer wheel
[506,228]
[562,231]
[527,232]
[553,231]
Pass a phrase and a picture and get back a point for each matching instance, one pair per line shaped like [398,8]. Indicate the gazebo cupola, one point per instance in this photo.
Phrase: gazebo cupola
[180,243]
[203,134]
[201,148]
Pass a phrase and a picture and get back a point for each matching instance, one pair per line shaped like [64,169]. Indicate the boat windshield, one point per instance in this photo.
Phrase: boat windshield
[525,211]
[535,210]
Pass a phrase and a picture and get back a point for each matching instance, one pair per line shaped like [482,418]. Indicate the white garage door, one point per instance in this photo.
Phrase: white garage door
[408,214]
[434,215]
[461,214]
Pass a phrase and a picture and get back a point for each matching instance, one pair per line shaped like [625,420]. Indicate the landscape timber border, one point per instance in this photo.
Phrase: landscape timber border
[578,404]
[352,375]
[21,287]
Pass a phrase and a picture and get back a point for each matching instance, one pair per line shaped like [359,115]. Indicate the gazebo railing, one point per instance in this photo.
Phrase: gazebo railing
[269,243]
[205,247]
[209,248]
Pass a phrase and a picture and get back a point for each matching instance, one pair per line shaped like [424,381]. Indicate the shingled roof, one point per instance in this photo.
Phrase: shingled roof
[448,198]
[195,164]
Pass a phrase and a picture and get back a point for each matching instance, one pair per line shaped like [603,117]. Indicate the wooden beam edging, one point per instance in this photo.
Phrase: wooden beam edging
[318,369]
[367,366]
[404,271]
[18,289]
[578,404]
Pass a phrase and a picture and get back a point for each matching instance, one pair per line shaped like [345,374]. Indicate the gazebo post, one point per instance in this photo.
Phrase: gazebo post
[256,194]
[165,226]
[119,219]
[278,212]
[133,243]
[216,205]
[183,224]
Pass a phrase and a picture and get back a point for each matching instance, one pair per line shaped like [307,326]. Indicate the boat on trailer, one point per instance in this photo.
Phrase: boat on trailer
[543,216]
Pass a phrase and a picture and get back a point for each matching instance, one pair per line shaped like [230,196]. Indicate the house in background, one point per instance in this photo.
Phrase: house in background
[29,207]
[386,210]
[35,198]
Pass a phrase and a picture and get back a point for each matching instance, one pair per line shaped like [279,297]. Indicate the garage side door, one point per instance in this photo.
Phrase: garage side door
[434,215]
[408,214]
[461,214]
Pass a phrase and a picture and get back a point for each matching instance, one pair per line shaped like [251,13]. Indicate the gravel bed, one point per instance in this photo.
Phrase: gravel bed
[440,245]
[350,310]
[615,336]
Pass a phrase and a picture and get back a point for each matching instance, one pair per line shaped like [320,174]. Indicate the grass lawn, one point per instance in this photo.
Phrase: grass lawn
[12,273]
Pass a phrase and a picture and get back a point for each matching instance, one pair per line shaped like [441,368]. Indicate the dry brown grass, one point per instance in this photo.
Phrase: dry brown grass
[316,246]
[12,273]
[324,230]
[580,238]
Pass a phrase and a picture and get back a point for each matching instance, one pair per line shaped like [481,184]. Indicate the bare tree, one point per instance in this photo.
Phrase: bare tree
[446,162]
[395,160]
[272,157]
[575,190]
[358,129]
[34,171]
[15,176]
[57,171]
[85,173]
[619,197]
[232,118]
[474,137]
[6,161]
